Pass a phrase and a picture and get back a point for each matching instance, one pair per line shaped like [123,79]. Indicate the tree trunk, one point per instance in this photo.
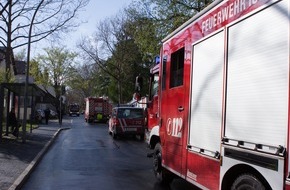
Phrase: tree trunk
[8,53]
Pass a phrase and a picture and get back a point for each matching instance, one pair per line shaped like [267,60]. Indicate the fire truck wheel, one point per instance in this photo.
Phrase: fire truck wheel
[162,175]
[142,137]
[247,181]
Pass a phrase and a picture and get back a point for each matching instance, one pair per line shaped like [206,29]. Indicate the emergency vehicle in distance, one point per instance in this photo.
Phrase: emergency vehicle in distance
[74,109]
[97,109]
[218,107]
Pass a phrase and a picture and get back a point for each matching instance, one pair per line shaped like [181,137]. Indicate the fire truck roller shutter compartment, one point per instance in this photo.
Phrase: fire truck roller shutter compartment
[206,98]
[258,78]
[257,92]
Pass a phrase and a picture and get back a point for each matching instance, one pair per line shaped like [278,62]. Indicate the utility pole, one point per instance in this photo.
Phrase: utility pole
[60,110]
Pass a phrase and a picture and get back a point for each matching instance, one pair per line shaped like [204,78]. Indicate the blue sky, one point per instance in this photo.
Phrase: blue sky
[95,11]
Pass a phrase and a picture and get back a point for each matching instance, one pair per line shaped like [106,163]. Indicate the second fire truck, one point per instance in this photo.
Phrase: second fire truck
[97,109]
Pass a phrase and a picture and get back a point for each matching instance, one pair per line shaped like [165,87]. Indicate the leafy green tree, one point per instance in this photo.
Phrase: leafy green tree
[150,21]
[40,74]
[58,64]
[82,80]
[87,80]
[168,15]
[4,74]
[127,71]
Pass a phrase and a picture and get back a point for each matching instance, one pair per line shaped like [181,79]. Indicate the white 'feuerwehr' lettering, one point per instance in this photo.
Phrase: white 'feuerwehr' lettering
[226,13]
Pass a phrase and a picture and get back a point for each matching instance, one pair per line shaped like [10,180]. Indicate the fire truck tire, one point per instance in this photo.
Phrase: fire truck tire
[142,137]
[247,181]
[162,175]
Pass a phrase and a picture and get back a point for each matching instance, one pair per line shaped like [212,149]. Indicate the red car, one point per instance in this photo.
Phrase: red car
[127,121]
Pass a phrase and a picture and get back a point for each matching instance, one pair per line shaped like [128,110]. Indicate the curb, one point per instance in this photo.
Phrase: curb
[19,182]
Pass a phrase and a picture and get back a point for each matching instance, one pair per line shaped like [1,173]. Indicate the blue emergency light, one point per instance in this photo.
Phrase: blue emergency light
[157,59]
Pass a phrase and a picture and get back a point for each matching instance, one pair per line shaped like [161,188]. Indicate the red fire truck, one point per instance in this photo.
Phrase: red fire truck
[218,109]
[97,109]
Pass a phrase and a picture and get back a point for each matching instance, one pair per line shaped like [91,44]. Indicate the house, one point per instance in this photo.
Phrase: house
[12,94]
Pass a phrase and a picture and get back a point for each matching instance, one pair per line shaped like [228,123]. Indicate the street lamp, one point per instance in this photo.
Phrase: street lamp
[27,75]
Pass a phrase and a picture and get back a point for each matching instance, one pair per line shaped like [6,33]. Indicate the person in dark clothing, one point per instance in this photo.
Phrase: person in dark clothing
[60,116]
[46,113]
[138,83]
[13,122]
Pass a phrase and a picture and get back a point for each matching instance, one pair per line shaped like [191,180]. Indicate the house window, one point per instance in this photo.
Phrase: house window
[164,72]
[21,101]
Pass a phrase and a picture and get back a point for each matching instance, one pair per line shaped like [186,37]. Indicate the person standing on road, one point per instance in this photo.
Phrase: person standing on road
[13,122]
[46,113]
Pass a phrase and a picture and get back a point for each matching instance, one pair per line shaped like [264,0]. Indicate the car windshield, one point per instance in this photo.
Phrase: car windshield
[130,113]
[74,107]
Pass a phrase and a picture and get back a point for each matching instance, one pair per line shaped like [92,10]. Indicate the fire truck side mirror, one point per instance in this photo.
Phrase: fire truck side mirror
[149,104]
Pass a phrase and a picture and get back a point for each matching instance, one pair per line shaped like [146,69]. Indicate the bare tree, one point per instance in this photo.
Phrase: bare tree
[53,18]
[110,33]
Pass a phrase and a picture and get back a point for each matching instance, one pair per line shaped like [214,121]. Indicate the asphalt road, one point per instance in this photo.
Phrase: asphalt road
[86,157]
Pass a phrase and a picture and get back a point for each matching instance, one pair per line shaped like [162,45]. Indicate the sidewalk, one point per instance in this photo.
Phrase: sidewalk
[17,159]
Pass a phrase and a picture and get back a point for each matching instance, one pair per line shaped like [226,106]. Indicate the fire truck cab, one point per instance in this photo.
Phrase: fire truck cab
[218,116]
